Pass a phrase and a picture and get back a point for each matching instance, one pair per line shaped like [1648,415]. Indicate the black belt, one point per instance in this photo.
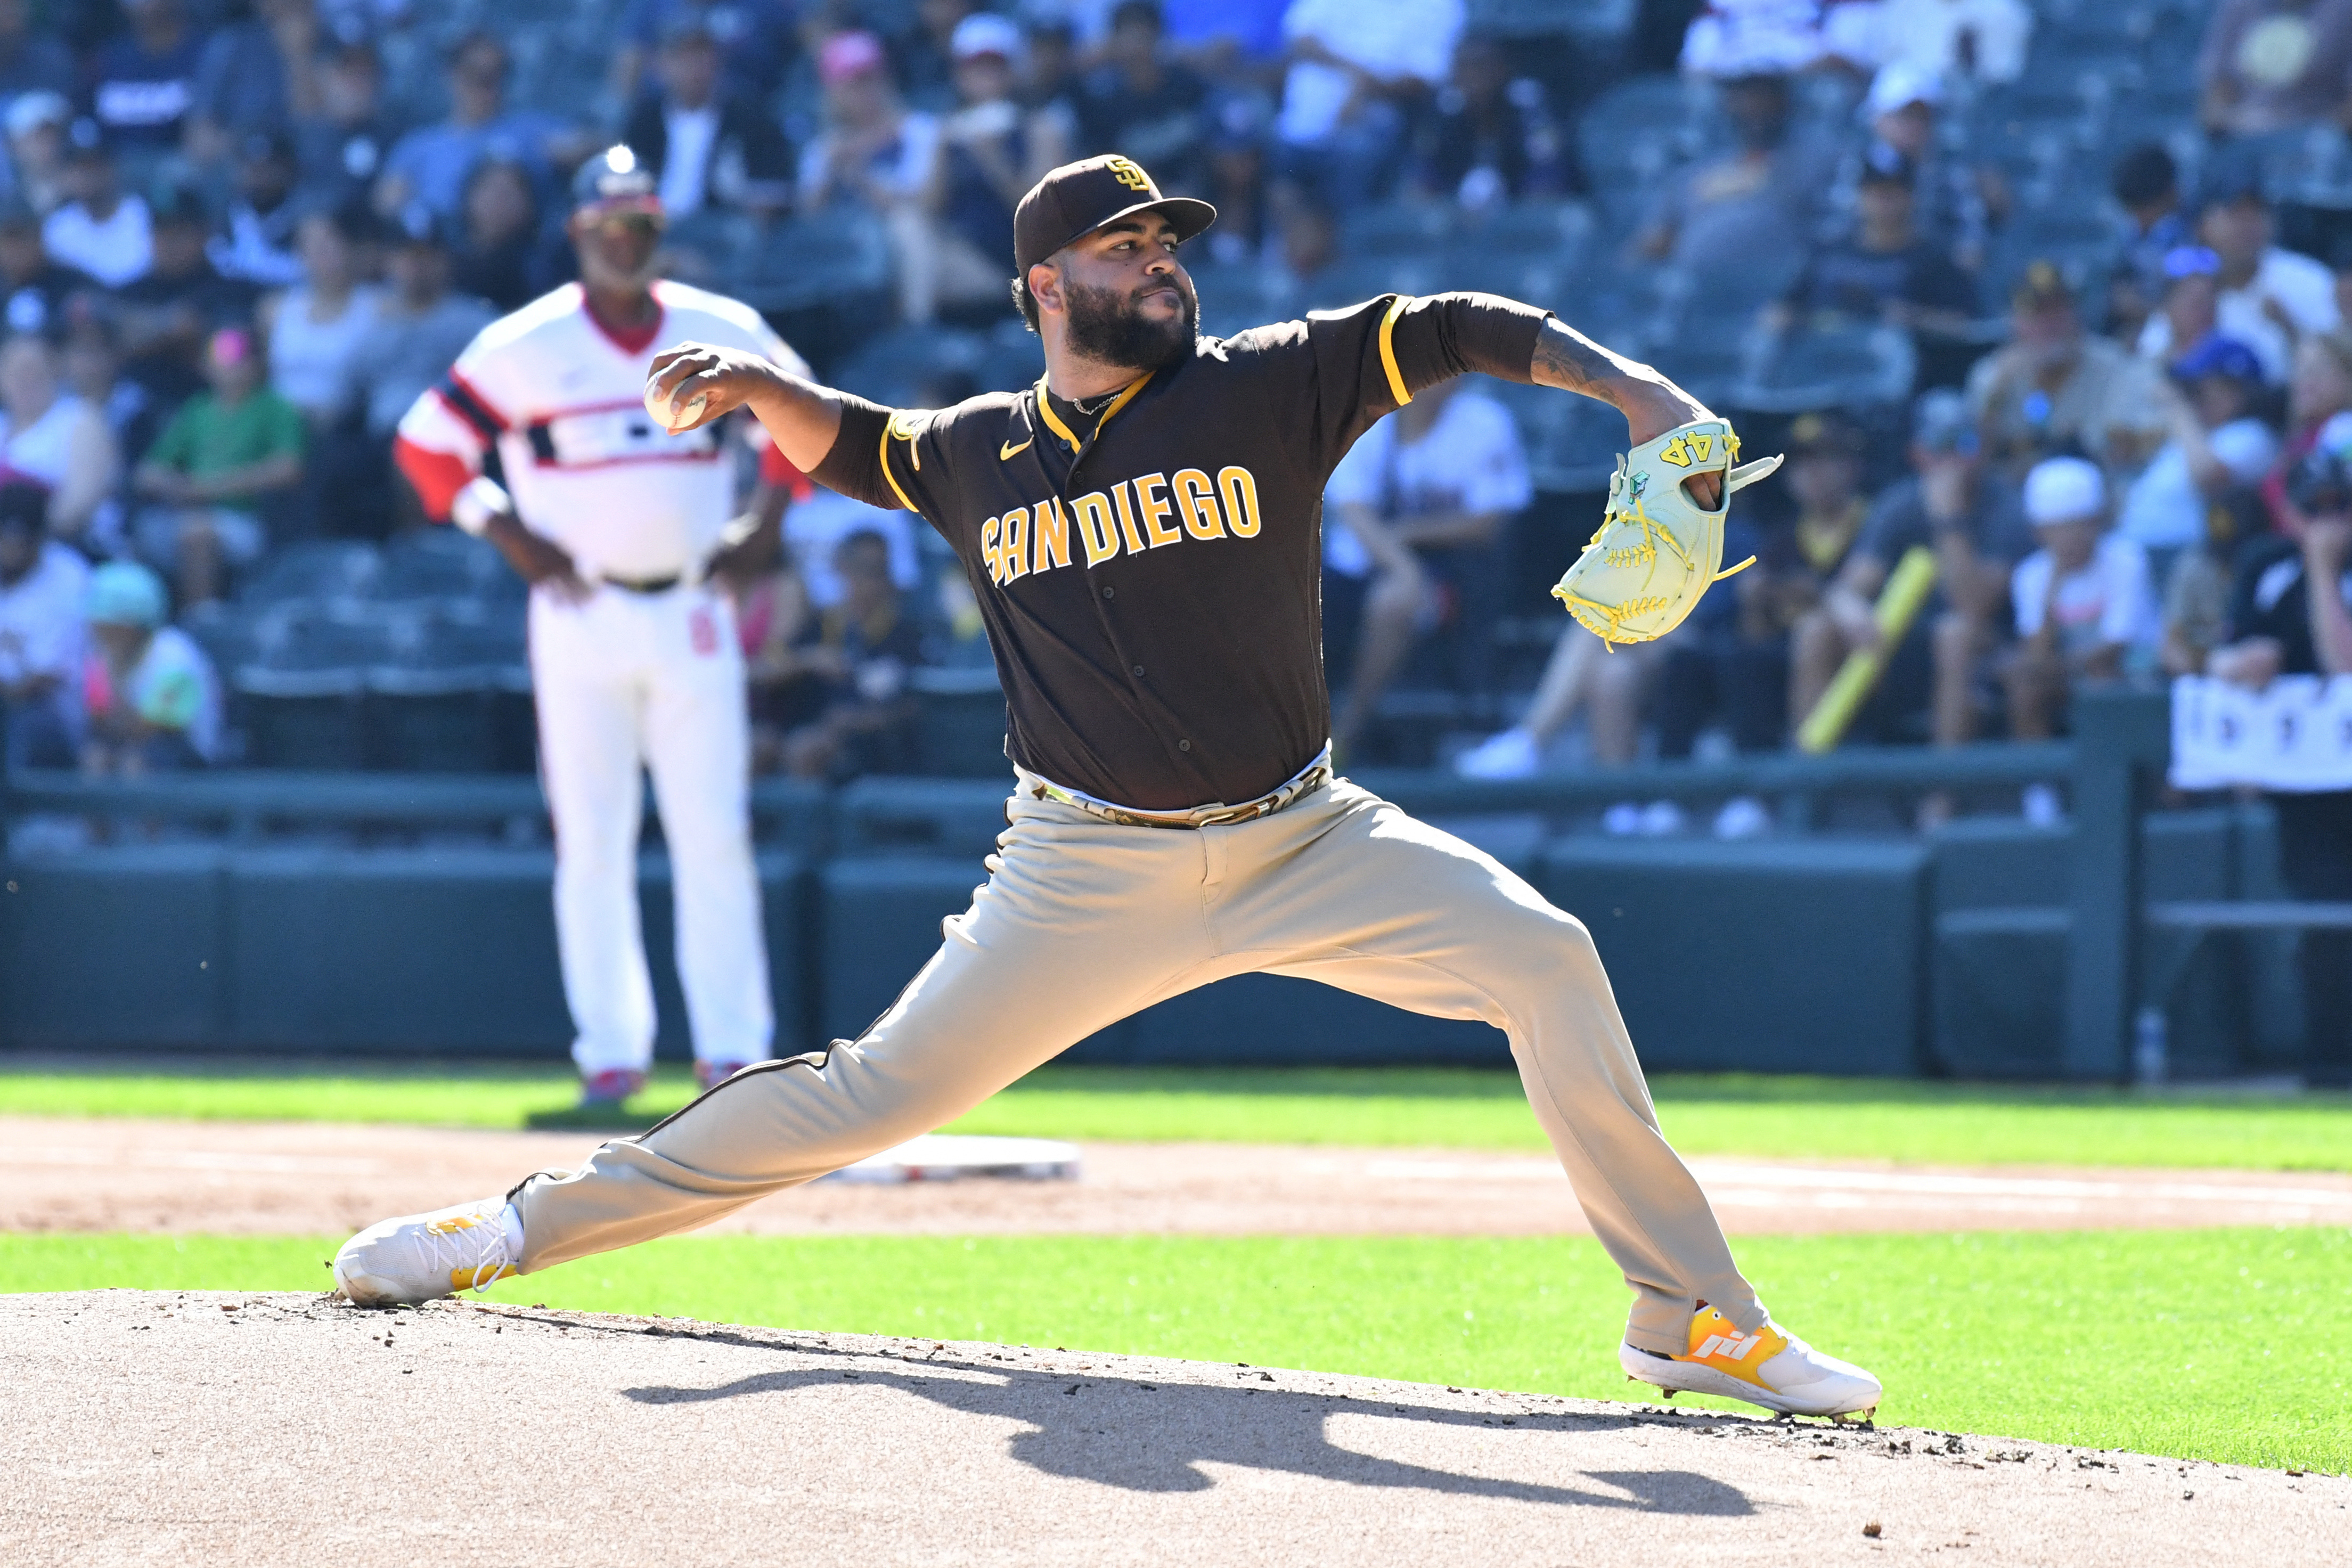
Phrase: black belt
[645,584]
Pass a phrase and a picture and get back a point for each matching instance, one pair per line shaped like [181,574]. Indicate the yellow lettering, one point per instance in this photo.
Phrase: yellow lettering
[1196,503]
[1155,507]
[1016,543]
[1095,526]
[991,551]
[1241,501]
[1049,536]
[1127,520]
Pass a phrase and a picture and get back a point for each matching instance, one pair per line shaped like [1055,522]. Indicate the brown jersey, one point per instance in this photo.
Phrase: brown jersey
[1150,572]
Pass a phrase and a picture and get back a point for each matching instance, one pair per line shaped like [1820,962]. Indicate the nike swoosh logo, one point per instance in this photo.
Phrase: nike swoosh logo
[1007,452]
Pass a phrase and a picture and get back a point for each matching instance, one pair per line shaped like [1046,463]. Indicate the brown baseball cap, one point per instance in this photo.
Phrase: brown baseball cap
[1079,198]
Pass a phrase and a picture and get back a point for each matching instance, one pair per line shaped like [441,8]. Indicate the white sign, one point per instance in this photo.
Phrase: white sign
[2294,735]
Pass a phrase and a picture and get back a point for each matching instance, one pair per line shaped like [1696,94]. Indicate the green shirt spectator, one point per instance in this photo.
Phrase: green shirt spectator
[232,453]
[225,455]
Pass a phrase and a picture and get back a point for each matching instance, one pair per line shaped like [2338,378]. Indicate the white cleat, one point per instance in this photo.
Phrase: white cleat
[424,1256]
[1771,1367]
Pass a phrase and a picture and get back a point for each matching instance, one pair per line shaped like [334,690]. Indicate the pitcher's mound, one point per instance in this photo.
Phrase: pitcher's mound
[202,1428]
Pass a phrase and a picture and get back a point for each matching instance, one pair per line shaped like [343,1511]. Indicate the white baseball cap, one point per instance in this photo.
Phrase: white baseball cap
[2064,489]
[985,33]
[1900,84]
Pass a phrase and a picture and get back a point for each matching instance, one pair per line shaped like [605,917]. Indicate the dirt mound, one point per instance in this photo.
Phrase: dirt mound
[152,1427]
[318,1178]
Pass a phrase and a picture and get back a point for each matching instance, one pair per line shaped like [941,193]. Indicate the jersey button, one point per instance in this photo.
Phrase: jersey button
[1139,672]
[1110,593]
[1183,745]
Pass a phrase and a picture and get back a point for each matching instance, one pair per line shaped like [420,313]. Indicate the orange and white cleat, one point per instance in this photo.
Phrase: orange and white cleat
[1771,1367]
[424,1256]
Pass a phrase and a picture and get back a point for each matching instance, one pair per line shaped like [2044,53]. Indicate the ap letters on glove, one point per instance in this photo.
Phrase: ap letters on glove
[1657,550]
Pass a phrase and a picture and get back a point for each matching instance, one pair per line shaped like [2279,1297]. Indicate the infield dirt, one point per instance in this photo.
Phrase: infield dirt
[148,1427]
[318,1178]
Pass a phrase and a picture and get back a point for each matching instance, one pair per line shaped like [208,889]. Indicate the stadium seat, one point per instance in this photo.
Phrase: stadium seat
[1396,228]
[1839,367]
[1571,442]
[430,563]
[432,704]
[960,730]
[313,569]
[299,698]
[835,259]
[1012,357]
[894,366]
[1633,133]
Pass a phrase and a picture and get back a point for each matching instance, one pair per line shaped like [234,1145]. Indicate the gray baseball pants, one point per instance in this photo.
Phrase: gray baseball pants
[1083,922]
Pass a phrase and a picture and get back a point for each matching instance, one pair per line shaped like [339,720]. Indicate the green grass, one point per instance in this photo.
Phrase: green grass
[2216,1344]
[1785,1116]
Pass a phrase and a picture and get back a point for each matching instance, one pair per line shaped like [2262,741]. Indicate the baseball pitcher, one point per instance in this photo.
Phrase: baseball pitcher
[1141,527]
[621,527]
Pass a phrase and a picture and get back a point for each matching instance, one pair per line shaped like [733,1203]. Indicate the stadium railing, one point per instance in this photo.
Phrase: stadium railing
[2110,768]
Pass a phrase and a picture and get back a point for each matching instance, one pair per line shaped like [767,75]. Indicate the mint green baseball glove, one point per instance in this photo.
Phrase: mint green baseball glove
[1657,550]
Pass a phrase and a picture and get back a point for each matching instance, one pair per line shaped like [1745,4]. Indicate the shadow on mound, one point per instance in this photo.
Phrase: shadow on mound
[1152,1438]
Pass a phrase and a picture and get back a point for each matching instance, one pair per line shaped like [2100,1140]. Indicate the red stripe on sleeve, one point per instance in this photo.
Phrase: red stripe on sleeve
[438,476]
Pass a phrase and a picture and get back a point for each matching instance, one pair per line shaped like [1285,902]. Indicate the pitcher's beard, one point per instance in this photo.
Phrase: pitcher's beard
[1108,327]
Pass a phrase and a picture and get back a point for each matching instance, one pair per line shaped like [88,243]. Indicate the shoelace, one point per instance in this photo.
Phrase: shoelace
[490,1259]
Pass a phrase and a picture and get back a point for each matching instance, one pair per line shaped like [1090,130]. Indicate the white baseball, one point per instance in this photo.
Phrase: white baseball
[674,417]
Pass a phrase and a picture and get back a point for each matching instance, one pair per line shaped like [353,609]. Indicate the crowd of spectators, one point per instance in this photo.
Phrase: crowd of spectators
[2101,478]
[237,240]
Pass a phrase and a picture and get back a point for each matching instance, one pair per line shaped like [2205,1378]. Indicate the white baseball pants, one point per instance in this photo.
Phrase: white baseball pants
[1083,921]
[625,683]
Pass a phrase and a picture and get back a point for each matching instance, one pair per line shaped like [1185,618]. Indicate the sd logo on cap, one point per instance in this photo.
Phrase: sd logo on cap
[1078,198]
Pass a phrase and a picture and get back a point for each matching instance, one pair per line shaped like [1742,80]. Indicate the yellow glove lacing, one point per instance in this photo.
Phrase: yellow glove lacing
[1607,621]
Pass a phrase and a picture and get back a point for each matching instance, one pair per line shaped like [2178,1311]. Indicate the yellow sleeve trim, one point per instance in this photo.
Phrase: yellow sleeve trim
[887,474]
[1388,349]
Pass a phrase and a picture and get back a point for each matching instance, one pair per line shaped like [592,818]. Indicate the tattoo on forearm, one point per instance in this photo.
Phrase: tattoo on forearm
[1566,358]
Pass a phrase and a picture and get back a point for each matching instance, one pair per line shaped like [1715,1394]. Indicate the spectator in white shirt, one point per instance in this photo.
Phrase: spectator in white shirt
[707,148]
[2082,600]
[52,438]
[1733,38]
[2217,445]
[2269,298]
[1417,508]
[41,588]
[97,230]
[315,328]
[1357,67]
[1985,39]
